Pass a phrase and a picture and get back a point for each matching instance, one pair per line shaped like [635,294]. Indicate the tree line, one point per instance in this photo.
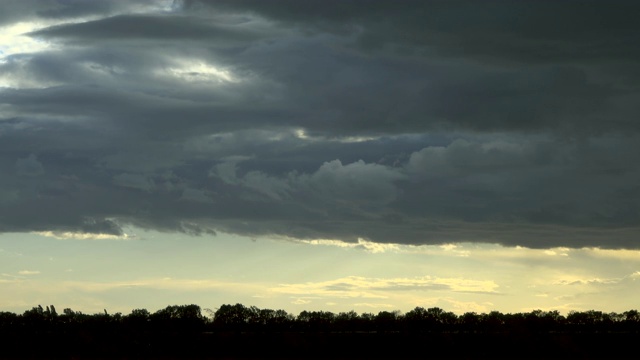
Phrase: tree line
[236,331]
[238,317]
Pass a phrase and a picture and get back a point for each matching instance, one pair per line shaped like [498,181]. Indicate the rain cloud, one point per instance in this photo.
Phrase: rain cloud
[413,122]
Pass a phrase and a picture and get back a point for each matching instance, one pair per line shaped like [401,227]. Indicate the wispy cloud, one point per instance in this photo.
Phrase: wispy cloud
[593,281]
[361,287]
[174,284]
[361,244]
[28,272]
[574,280]
[82,236]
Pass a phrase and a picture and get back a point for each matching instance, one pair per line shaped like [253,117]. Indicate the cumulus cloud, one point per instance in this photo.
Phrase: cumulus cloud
[417,123]
[355,182]
[350,183]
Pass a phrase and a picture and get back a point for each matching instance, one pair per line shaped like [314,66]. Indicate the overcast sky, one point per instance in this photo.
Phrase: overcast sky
[356,125]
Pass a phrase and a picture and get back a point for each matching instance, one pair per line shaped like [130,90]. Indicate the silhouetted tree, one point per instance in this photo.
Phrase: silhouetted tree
[231,317]
[582,320]
[493,321]
[35,317]
[138,316]
[632,316]
[8,320]
[316,320]
[416,319]
[273,320]
[387,321]
[180,330]
[347,321]
[366,321]
[179,317]
[470,321]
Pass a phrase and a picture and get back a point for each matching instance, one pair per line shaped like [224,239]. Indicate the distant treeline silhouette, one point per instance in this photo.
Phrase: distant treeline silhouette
[243,318]
[239,331]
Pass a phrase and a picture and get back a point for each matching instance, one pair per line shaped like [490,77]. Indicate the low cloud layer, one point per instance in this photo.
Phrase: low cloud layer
[420,122]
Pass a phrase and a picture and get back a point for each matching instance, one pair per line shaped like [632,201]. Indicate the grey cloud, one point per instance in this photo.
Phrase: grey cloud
[29,166]
[29,10]
[331,90]
[462,157]
[189,194]
[16,10]
[274,188]
[101,226]
[159,27]
[485,66]
[69,9]
[356,183]
[539,181]
[136,181]
[424,122]
[523,31]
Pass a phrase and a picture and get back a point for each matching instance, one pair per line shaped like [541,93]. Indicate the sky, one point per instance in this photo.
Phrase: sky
[328,155]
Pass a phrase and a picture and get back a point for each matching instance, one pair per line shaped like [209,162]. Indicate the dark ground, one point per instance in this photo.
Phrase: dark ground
[229,346]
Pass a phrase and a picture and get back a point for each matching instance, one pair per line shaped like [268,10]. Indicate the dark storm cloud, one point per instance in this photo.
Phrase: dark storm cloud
[134,27]
[35,10]
[69,9]
[419,122]
[526,31]
[486,65]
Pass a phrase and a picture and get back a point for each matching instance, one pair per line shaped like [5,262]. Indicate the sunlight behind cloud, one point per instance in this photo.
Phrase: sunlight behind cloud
[361,244]
[557,252]
[455,249]
[198,71]
[14,41]
[15,48]
[67,235]
[303,135]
